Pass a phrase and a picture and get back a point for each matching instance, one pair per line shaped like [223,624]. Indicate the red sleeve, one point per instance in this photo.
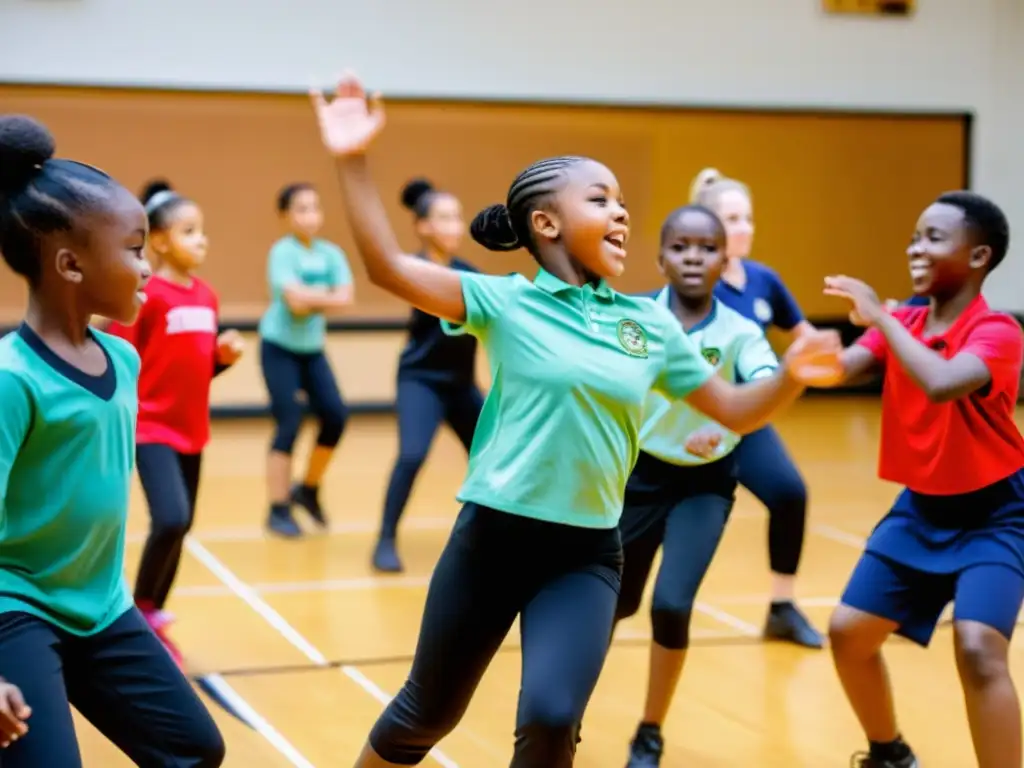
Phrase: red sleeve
[997,339]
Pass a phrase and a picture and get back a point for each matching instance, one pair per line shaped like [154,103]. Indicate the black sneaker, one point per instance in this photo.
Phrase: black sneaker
[646,748]
[865,760]
[385,556]
[787,623]
[309,499]
[282,522]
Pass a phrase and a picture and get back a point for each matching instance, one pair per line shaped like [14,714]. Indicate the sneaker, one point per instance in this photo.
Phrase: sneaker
[282,522]
[787,623]
[309,499]
[865,760]
[158,622]
[646,748]
[385,556]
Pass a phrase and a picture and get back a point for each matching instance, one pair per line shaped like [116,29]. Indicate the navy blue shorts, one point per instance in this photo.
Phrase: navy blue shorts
[929,551]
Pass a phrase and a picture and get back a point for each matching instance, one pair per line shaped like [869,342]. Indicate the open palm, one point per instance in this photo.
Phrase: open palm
[349,121]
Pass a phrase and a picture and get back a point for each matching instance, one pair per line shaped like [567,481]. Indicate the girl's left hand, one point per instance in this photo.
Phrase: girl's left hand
[813,359]
[866,308]
[230,346]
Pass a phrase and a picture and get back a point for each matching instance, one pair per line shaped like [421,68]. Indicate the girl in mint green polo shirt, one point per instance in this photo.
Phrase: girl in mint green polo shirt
[572,361]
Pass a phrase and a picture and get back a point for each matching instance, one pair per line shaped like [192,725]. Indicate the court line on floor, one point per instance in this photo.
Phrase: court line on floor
[259,723]
[292,635]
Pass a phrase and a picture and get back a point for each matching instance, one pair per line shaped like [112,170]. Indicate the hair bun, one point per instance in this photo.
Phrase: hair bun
[153,188]
[493,229]
[25,144]
[414,191]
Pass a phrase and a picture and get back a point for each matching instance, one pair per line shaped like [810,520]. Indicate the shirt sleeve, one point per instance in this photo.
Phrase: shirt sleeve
[999,342]
[282,268]
[684,368]
[486,297]
[341,272]
[15,421]
[786,312]
[756,358]
[873,340]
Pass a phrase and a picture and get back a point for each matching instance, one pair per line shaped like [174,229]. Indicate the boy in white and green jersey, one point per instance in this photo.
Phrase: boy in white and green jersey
[680,492]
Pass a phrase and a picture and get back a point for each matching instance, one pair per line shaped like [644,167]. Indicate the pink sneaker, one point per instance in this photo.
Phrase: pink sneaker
[159,622]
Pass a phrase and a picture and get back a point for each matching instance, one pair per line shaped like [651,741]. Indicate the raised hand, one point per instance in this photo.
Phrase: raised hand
[814,359]
[865,306]
[349,121]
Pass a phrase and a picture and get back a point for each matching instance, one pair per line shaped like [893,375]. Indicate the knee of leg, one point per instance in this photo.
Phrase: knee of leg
[409,727]
[789,495]
[411,461]
[628,604]
[548,728]
[670,627]
[208,744]
[171,526]
[287,432]
[981,654]
[850,633]
[332,424]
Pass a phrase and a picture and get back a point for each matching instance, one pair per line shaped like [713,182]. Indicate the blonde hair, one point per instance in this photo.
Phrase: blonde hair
[709,184]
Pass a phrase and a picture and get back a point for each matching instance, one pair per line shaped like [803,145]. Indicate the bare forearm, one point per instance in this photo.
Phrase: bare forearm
[373,235]
[746,408]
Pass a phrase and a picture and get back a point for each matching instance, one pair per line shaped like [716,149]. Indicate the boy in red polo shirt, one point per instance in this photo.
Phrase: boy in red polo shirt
[956,533]
[181,351]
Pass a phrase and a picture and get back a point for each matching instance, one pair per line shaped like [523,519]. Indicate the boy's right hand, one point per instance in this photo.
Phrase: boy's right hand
[13,713]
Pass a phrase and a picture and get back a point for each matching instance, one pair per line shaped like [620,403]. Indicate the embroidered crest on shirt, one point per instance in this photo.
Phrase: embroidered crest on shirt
[763,310]
[632,337]
[712,354]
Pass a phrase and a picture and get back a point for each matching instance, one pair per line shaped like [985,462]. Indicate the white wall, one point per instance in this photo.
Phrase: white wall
[951,55]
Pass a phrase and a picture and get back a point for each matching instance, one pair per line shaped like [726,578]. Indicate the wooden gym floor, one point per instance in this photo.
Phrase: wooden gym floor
[310,642]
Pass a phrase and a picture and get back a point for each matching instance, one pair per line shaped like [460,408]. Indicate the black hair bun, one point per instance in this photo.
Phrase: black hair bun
[414,191]
[154,188]
[493,229]
[25,144]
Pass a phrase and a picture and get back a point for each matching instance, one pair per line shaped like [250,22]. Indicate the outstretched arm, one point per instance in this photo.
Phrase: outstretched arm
[941,379]
[348,125]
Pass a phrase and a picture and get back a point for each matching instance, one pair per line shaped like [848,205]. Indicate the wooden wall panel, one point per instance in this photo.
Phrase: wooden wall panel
[833,192]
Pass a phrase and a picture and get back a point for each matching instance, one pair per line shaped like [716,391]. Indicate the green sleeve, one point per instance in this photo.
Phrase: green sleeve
[15,420]
[756,357]
[282,268]
[684,368]
[341,272]
[486,298]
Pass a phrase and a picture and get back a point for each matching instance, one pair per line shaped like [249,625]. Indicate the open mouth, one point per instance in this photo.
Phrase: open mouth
[617,239]
[919,270]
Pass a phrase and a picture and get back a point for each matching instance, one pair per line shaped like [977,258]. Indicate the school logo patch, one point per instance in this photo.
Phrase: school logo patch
[712,354]
[632,337]
[763,311]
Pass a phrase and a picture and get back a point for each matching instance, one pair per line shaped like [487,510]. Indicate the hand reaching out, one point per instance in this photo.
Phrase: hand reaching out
[814,359]
[349,121]
[865,306]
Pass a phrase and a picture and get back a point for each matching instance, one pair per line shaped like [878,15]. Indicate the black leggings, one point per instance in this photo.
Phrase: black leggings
[287,374]
[683,511]
[121,680]
[767,471]
[561,581]
[422,407]
[170,481]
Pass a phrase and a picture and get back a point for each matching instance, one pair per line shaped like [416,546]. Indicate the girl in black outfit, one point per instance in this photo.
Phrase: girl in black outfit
[436,372]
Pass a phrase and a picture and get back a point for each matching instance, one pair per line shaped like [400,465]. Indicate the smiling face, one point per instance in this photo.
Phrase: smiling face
[588,217]
[942,253]
[692,254]
[444,226]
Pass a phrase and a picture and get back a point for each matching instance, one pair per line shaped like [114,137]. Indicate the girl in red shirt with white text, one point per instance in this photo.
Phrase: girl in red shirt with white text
[176,337]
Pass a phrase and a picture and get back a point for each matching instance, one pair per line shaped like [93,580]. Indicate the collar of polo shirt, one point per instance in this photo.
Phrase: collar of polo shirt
[548,282]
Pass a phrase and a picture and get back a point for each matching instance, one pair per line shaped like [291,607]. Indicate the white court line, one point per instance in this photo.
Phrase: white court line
[728,619]
[839,535]
[254,718]
[292,635]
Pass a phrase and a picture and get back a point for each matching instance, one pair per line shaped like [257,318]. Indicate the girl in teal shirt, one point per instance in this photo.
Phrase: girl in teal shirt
[572,362]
